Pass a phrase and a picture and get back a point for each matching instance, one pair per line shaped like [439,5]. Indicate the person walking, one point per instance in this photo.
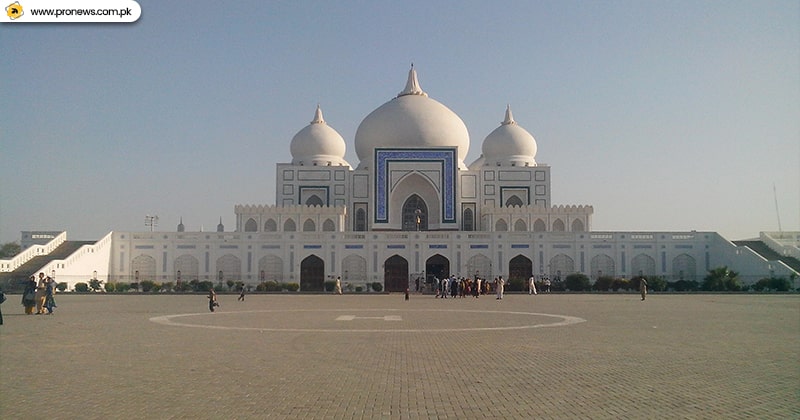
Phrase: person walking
[643,287]
[2,299]
[338,285]
[212,300]
[49,292]
[241,295]
[40,295]
[532,286]
[29,295]
[500,284]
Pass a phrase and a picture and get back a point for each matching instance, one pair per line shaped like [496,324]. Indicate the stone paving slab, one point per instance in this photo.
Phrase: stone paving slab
[378,356]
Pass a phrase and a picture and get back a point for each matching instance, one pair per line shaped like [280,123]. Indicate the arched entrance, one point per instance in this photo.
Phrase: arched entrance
[437,266]
[395,274]
[415,214]
[520,269]
[312,274]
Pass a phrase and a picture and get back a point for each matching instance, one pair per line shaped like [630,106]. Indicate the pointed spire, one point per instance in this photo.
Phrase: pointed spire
[318,116]
[509,116]
[412,85]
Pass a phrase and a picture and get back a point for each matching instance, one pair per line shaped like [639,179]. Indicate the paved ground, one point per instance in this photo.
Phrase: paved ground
[372,357]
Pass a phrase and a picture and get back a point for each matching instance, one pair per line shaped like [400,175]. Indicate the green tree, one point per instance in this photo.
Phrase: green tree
[721,279]
[578,282]
[95,284]
[81,287]
[9,250]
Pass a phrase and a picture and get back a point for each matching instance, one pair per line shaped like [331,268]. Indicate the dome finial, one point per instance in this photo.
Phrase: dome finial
[412,85]
[318,116]
[509,116]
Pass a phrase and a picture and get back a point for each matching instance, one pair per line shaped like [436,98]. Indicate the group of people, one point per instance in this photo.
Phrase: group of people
[462,287]
[39,295]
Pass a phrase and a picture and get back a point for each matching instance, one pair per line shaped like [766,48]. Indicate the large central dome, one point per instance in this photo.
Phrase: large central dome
[411,120]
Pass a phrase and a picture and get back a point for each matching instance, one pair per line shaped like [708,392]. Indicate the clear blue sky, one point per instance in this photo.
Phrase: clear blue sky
[676,115]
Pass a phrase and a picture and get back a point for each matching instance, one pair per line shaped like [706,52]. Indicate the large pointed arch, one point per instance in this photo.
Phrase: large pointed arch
[230,267]
[520,268]
[643,265]
[272,268]
[312,274]
[560,266]
[602,266]
[395,274]
[354,269]
[438,266]
[251,225]
[479,266]
[144,268]
[415,213]
[188,266]
[684,267]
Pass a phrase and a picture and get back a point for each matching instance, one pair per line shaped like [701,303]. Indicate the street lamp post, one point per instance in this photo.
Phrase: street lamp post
[150,221]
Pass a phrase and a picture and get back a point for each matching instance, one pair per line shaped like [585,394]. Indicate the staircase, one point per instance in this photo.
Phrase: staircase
[762,249]
[13,281]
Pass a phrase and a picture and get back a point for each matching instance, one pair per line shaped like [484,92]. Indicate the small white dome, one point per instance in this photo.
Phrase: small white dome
[509,145]
[318,144]
[412,119]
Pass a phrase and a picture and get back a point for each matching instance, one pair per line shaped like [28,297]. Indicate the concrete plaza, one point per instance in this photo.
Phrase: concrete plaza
[592,356]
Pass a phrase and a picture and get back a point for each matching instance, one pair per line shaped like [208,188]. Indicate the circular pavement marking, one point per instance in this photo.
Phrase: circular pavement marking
[174,320]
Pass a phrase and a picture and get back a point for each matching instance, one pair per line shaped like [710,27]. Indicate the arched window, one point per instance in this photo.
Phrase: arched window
[415,214]
[328,226]
[289,226]
[314,201]
[539,226]
[251,226]
[577,225]
[468,220]
[520,226]
[361,221]
[514,201]
[501,226]
[270,226]
[558,225]
[309,226]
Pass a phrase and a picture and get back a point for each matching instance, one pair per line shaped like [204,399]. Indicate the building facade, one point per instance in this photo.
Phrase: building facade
[412,209]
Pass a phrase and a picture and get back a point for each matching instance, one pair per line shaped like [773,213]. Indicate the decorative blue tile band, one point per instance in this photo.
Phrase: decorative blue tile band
[396,246]
[479,246]
[520,246]
[354,247]
[312,246]
[437,246]
[446,157]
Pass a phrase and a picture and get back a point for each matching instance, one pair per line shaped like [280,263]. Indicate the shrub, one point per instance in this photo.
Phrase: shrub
[359,289]
[377,286]
[577,282]
[292,287]
[61,286]
[122,287]
[167,286]
[515,285]
[269,286]
[81,287]
[603,283]
[95,284]
[656,283]
[684,286]
[147,285]
[183,287]
[620,284]
[330,285]
[110,287]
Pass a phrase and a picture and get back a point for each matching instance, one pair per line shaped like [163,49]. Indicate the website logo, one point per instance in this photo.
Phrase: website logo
[14,10]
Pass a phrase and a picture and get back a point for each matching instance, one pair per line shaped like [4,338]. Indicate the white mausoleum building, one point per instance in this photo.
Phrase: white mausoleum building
[412,208]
